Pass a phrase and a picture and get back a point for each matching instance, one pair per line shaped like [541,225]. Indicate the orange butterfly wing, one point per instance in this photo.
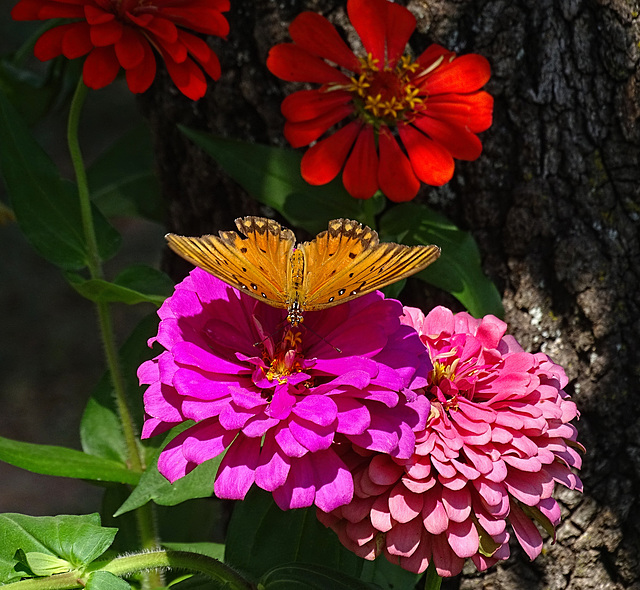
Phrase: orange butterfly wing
[257,264]
[348,260]
[342,263]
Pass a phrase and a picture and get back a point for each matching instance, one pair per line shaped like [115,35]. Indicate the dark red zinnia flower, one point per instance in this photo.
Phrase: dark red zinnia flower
[125,33]
[432,103]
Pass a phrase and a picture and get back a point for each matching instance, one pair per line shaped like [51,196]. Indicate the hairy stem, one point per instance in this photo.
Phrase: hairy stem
[132,564]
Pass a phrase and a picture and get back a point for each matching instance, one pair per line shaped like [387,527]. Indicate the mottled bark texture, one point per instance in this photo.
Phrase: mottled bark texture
[553,202]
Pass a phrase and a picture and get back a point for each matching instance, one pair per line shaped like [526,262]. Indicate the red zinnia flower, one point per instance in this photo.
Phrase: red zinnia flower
[122,33]
[432,102]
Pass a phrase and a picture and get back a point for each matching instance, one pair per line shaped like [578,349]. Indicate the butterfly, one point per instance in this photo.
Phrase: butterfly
[339,264]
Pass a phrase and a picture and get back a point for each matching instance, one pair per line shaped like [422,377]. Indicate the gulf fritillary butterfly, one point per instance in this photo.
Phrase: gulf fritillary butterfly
[339,264]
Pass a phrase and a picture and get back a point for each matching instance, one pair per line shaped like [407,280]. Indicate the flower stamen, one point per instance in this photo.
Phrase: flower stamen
[386,95]
[286,361]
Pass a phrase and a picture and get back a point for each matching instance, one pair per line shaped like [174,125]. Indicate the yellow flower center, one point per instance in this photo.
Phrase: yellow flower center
[386,95]
[443,371]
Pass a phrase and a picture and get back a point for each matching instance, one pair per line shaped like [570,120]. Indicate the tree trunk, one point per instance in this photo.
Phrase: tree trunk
[553,202]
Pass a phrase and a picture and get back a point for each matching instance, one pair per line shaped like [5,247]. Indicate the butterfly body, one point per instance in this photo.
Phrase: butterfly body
[342,263]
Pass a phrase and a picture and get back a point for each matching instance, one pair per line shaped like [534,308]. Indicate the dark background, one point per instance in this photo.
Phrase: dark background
[50,351]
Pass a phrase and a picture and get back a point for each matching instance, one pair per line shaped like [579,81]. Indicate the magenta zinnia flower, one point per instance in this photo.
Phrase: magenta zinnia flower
[129,34]
[276,396]
[432,103]
[497,440]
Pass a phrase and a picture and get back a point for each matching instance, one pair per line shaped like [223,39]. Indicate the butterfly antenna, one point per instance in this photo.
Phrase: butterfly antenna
[278,328]
[323,339]
[281,324]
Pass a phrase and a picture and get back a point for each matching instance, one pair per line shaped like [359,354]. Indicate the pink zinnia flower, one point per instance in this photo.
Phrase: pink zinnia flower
[431,103]
[497,441]
[276,396]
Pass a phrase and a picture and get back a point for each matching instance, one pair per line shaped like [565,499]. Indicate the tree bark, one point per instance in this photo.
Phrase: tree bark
[554,203]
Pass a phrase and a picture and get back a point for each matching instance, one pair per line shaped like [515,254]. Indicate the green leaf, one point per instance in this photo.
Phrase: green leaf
[43,564]
[154,486]
[77,540]
[106,581]
[46,206]
[137,284]
[100,429]
[271,175]
[27,90]
[63,462]
[262,537]
[387,575]
[310,577]
[122,179]
[534,514]
[458,270]
[146,279]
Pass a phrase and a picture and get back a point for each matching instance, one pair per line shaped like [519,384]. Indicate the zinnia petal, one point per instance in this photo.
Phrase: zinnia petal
[202,53]
[458,141]
[474,111]
[315,34]
[107,33]
[140,77]
[399,25]
[187,77]
[26,10]
[310,104]
[130,49]
[77,41]
[466,73]
[96,15]
[294,64]
[395,174]
[100,68]
[305,132]
[49,45]
[360,175]
[237,470]
[368,18]
[200,19]
[59,10]
[431,162]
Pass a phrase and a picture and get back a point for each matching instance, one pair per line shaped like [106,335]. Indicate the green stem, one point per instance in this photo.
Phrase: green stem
[95,270]
[144,516]
[432,580]
[93,256]
[131,564]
